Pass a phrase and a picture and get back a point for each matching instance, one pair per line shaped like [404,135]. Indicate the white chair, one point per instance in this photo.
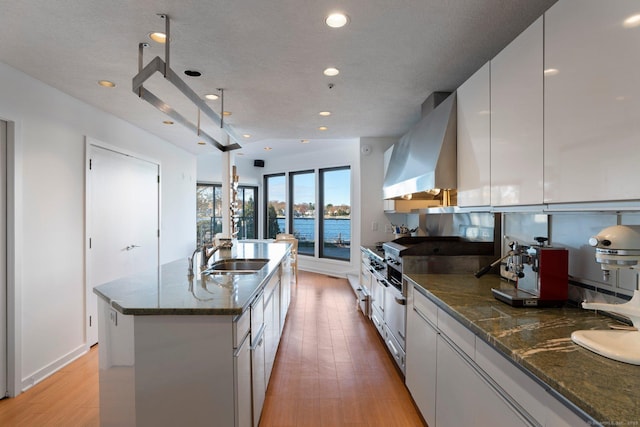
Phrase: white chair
[290,238]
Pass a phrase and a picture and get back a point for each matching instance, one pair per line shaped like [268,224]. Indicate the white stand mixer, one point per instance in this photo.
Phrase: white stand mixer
[617,247]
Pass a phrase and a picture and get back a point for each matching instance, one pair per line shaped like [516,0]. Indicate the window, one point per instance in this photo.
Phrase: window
[248,226]
[209,212]
[275,203]
[303,210]
[335,226]
[310,210]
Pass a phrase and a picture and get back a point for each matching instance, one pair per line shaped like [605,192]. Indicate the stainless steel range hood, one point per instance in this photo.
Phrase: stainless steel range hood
[425,157]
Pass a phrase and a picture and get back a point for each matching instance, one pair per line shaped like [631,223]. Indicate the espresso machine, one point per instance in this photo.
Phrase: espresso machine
[540,274]
[617,247]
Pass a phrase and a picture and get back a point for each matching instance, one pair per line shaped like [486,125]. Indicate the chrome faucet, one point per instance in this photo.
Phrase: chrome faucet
[207,251]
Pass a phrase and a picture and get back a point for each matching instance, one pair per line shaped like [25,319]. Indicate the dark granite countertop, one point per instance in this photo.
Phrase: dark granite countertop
[539,341]
[168,290]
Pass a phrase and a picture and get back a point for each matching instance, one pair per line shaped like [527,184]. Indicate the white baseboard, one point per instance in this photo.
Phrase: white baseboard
[52,368]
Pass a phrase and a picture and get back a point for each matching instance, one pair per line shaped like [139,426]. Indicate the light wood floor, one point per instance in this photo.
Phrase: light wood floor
[331,370]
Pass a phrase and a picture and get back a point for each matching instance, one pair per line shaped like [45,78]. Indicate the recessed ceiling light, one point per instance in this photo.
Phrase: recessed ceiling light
[158,37]
[226,113]
[551,71]
[167,122]
[632,21]
[331,71]
[106,83]
[192,73]
[268,148]
[246,135]
[201,143]
[323,128]
[336,20]
[211,96]
[325,113]
[304,141]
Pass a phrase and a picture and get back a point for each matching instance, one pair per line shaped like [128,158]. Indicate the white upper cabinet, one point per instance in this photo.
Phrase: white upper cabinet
[592,101]
[474,144]
[517,120]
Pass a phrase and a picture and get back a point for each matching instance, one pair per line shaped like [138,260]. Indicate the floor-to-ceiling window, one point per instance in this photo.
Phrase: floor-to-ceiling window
[247,226]
[209,212]
[335,223]
[318,203]
[275,205]
[303,210]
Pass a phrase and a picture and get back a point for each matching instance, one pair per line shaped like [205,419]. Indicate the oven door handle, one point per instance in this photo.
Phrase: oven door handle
[401,301]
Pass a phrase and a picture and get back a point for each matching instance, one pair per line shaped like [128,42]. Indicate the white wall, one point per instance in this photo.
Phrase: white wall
[372,215]
[49,247]
[210,169]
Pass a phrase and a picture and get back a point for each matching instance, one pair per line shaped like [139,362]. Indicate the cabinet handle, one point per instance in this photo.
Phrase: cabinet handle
[393,349]
[401,301]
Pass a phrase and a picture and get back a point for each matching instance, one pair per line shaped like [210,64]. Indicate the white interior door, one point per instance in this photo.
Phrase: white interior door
[123,218]
[3,259]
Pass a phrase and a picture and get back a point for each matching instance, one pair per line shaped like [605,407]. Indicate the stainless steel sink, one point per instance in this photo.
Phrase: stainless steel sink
[237,266]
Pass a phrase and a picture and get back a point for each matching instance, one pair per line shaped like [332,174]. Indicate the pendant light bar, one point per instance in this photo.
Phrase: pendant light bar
[157,65]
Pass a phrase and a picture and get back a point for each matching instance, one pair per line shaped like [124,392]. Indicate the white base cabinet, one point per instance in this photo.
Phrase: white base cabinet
[422,340]
[456,379]
[465,397]
[196,370]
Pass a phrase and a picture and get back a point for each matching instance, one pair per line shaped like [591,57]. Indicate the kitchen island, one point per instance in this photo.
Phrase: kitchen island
[534,344]
[194,349]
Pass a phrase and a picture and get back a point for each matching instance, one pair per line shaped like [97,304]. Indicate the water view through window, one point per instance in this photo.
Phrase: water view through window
[299,214]
[336,219]
[303,224]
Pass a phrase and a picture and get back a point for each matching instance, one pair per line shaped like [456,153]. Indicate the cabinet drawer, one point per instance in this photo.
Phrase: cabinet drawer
[271,285]
[241,328]
[395,349]
[378,321]
[257,317]
[529,394]
[462,337]
[425,306]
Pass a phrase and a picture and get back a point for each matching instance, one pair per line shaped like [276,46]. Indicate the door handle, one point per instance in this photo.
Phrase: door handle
[128,248]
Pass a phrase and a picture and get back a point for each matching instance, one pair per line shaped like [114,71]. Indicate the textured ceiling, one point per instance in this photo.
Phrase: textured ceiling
[268,56]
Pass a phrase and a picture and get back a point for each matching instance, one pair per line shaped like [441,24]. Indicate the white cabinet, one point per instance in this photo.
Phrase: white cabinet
[517,120]
[242,368]
[474,144]
[421,354]
[465,397]
[285,290]
[456,378]
[258,383]
[591,101]
[271,326]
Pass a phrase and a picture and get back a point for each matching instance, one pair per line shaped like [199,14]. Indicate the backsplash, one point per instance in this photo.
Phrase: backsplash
[572,230]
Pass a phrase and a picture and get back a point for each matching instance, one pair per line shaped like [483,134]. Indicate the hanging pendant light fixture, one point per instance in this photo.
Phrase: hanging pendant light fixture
[158,65]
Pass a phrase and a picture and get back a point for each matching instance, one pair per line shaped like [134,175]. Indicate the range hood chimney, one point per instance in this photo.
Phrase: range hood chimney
[425,158]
